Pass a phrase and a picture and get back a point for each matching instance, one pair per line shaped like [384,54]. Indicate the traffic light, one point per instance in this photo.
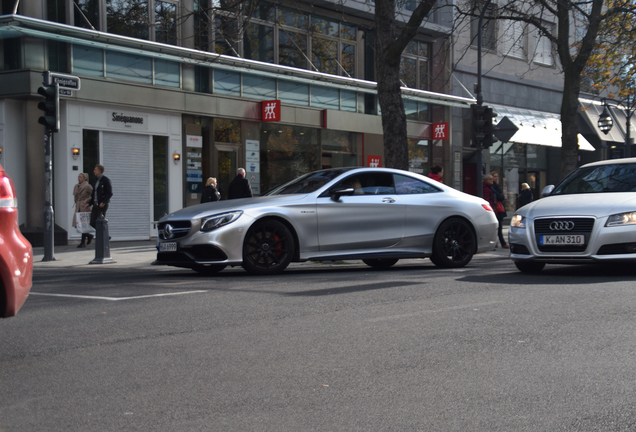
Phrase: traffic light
[51,108]
[482,126]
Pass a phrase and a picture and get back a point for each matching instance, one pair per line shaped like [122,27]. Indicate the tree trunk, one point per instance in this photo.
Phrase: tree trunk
[387,56]
[569,126]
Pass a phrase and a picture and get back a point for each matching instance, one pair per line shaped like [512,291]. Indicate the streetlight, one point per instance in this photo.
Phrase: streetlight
[605,121]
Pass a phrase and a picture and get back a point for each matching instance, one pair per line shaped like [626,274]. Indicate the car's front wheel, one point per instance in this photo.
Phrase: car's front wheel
[454,244]
[380,264]
[268,248]
[529,267]
[209,269]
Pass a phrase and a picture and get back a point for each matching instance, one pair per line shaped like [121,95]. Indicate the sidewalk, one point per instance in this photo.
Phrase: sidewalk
[134,254]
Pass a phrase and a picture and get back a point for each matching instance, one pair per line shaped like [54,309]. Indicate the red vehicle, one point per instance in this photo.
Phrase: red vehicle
[16,253]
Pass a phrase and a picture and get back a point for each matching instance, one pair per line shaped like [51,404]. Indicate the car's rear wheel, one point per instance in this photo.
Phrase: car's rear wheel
[380,264]
[530,267]
[209,269]
[268,248]
[454,244]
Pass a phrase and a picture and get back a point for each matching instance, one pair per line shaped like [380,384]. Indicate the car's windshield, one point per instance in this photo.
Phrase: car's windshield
[602,178]
[308,183]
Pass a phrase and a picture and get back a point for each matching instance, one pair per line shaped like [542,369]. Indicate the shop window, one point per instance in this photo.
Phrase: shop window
[167,73]
[419,156]
[86,14]
[324,26]
[258,87]
[287,152]
[227,82]
[348,101]
[58,56]
[202,79]
[348,59]
[337,141]
[258,43]
[128,18]
[325,97]
[56,11]
[90,153]
[293,92]
[292,48]
[292,18]
[128,67]
[227,131]
[324,55]
[159,176]
[88,61]
[165,22]
[12,54]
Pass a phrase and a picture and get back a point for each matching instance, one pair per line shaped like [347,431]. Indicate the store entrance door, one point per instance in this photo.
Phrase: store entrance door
[226,165]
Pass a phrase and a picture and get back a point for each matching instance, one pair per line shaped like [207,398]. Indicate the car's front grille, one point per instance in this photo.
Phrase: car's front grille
[563,226]
[178,229]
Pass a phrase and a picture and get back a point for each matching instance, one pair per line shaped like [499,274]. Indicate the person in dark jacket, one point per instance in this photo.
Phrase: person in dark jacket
[100,199]
[210,193]
[525,197]
[240,186]
[488,194]
[501,198]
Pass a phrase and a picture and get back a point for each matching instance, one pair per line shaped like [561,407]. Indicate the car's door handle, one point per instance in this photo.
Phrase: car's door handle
[388,200]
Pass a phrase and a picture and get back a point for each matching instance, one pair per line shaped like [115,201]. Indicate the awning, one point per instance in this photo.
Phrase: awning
[536,127]
[592,110]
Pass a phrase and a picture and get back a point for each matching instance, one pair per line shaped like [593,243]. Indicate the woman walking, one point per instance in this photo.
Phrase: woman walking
[82,193]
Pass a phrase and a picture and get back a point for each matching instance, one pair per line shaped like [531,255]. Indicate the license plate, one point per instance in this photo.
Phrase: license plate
[562,240]
[168,247]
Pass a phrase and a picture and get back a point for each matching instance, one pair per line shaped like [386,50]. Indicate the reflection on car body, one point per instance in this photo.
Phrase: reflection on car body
[378,215]
[590,217]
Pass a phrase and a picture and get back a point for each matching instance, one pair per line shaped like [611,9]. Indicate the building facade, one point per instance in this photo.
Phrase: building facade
[172,94]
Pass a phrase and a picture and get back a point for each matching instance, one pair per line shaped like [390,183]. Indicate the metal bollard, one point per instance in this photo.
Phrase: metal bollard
[102,242]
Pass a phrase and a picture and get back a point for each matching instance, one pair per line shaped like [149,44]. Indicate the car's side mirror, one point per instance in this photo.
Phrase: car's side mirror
[547,190]
[336,193]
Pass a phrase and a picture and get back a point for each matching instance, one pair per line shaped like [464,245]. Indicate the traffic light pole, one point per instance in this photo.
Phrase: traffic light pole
[49,217]
[480,98]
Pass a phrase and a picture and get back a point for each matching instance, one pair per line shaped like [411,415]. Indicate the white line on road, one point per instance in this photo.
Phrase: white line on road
[115,298]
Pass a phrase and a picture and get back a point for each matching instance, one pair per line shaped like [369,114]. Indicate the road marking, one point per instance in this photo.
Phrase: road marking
[447,309]
[114,298]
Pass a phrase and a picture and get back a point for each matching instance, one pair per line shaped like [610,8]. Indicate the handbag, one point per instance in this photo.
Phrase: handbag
[83,223]
[500,207]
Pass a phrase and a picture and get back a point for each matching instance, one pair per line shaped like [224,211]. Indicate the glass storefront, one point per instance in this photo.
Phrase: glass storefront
[519,163]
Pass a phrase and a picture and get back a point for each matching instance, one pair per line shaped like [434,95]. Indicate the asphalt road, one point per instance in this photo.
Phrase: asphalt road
[322,348]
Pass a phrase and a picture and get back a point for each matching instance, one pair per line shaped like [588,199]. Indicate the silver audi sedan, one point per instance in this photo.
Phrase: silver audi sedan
[378,215]
[590,217]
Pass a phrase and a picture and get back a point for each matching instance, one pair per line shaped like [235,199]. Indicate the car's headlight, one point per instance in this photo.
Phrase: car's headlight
[518,221]
[219,220]
[621,219]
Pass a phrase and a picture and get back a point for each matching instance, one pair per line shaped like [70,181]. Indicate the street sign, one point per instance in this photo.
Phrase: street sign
[66,92]
[505,130]
[62,80]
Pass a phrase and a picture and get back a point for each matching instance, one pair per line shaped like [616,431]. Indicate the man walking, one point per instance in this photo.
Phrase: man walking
[240,186]
[102,193]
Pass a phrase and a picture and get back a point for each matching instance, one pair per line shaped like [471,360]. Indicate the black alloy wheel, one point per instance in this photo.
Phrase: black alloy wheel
[530,267]
[209,269]
[268,248]
[380,264]
[454,244]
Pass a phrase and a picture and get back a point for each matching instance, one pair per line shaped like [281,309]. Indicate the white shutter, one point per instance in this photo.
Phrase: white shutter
[543,53]
[127,161]
[514,40]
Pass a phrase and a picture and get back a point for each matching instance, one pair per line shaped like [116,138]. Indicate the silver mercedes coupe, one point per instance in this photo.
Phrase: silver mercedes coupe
[377,215]
[590,217]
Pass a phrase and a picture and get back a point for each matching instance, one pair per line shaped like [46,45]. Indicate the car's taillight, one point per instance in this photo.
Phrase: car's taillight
[7,192]
[487,207]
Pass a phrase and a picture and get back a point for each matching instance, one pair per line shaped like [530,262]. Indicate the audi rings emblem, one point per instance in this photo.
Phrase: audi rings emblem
[167,231]
[561,225]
